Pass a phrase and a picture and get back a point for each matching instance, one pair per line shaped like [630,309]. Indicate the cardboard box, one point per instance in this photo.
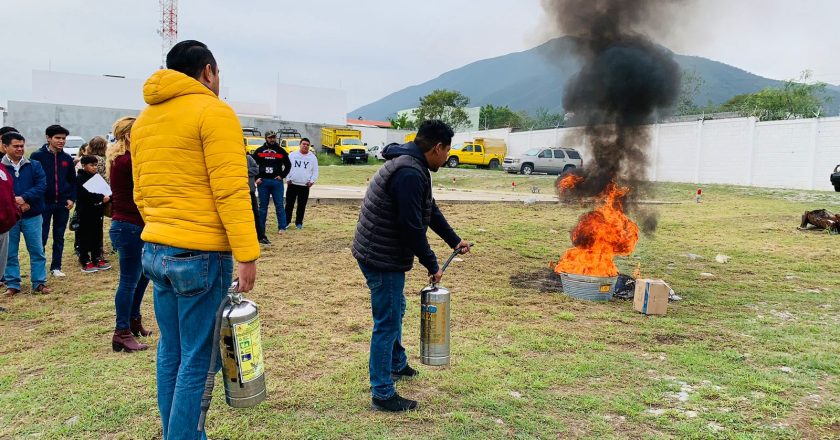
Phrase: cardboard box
[651,297]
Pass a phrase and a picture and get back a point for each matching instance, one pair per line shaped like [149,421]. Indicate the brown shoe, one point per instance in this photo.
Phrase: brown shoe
[11,292]
[137,327]
[124,340]
[42,290]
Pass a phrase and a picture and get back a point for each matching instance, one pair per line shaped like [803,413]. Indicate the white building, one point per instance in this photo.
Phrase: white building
[284,101]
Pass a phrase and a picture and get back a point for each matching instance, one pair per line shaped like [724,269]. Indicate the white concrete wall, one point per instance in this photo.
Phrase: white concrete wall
[381,136]
[797,154]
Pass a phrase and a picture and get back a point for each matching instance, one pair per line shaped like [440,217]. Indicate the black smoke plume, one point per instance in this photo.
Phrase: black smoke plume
[624,82]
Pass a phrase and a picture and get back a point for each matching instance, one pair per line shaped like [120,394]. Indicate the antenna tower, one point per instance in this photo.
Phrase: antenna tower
[168,27]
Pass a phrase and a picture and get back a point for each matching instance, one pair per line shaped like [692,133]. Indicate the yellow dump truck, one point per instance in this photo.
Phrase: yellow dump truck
[482,152]
[346,143]
[289,139]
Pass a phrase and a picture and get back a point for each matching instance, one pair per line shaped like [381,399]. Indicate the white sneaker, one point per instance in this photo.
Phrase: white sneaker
[58,273]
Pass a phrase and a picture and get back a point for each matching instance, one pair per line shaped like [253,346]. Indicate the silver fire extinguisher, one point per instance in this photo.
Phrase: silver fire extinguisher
[237,336]
[434,321]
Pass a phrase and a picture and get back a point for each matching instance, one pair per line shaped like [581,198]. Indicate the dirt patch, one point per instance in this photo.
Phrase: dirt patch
[544,280]
[670,339]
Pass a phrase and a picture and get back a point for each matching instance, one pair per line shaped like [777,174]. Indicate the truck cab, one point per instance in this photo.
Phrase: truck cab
[289,139]
[253,142]
[482,152]
[290,144]
[345,143]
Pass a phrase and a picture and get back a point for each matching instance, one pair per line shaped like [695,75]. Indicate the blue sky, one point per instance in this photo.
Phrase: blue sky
[374,47]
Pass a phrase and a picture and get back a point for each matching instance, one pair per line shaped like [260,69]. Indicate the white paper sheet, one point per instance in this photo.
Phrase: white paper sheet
[98,185]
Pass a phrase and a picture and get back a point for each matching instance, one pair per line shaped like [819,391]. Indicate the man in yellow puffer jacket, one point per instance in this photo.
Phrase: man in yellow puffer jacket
[191,187]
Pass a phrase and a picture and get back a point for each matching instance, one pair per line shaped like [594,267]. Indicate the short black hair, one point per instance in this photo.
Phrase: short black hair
[10,136]
[307,140]
[189,57]
[86,160]
[431,133]
[8,129]
[53,130]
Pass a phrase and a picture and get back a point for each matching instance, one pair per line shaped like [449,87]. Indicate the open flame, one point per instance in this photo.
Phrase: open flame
[600,234]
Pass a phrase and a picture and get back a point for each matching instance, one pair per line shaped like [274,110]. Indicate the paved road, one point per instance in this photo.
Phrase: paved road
[335,192]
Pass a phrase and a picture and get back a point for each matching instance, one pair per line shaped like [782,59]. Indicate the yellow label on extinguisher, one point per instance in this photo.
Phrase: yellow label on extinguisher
[248,345]
[434,323]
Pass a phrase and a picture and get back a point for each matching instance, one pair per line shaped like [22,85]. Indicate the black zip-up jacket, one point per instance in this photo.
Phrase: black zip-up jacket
[61,175]
[273,161]
[89,204]
[396,213]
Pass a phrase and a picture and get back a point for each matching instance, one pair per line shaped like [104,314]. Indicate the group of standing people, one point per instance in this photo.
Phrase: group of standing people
[48,192]
[272,166]
[180,221]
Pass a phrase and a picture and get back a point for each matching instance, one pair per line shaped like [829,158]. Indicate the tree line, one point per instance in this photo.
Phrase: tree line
[794,99]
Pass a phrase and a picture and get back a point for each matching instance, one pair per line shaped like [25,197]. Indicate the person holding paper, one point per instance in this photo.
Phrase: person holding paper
[90,203]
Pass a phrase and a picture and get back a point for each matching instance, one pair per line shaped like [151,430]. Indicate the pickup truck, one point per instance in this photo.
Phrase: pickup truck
[346,143]
[544,160]
[483,152]
[835,178]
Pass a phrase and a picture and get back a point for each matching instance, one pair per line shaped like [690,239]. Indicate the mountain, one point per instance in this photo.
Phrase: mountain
[536,78]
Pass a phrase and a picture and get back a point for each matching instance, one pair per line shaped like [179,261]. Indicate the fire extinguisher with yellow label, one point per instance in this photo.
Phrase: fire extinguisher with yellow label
[237,335]
[434,321]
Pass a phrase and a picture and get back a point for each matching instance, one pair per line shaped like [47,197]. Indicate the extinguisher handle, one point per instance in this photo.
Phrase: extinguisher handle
[452,257]
[446,264]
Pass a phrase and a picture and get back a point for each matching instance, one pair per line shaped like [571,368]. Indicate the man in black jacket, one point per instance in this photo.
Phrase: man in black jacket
[397,211]
[61,191]
[274,167]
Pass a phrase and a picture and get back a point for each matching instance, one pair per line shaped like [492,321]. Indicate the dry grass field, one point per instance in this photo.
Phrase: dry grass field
[752,352]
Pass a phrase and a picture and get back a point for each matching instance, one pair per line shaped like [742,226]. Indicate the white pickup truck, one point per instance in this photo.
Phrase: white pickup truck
[544,160]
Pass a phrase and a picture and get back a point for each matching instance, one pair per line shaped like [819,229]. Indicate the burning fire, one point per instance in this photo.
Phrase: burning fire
[600,234]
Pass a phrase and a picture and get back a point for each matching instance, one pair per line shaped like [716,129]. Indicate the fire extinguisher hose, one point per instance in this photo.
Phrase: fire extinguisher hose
[209,384]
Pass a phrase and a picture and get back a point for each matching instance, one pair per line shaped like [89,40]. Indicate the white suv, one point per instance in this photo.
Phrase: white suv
[544,160]
[73,144]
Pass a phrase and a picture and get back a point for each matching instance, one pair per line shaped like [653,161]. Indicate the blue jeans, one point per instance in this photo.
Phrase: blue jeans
[272,188]
[126,240]
[31,229]
[387,354]
[59,214]
[188,288]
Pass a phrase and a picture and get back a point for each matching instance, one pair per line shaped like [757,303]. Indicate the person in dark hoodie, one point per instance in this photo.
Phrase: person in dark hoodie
[91,208]
[274,167]
[253,172]
[60,195]
[396,213]
[29,186]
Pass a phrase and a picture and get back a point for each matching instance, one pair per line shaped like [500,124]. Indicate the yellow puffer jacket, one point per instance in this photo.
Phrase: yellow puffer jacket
[190,171]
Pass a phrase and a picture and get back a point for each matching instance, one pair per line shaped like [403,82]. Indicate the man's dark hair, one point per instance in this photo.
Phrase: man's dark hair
[8,129]
[433,132]
[307,140]
[89,160]
[189,57]
[53,130]
[10,136]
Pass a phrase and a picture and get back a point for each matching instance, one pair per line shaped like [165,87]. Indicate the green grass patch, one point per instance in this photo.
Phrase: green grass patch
[751,353]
